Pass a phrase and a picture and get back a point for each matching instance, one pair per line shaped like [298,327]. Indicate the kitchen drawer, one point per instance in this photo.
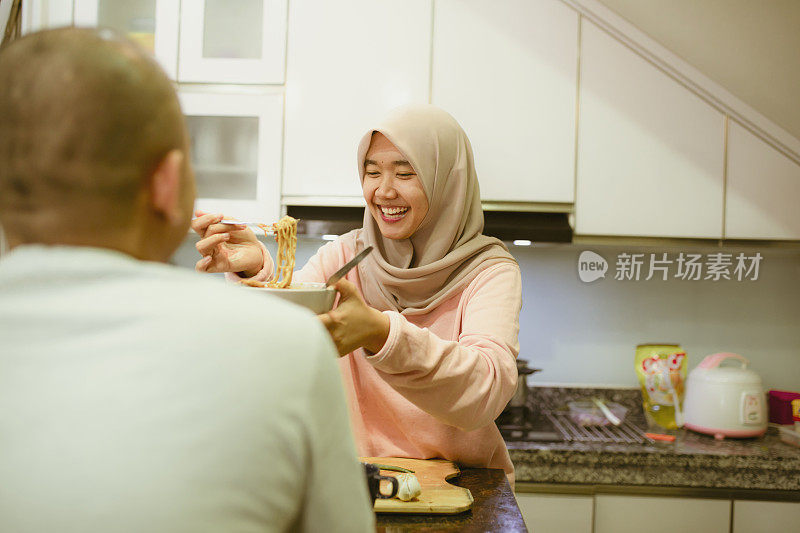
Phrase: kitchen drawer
[556,513]
[765,517]
[637,514]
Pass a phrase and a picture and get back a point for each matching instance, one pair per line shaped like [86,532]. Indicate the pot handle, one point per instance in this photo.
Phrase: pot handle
[714,360]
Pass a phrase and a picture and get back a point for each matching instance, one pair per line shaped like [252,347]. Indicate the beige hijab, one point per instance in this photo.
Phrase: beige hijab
[447,251]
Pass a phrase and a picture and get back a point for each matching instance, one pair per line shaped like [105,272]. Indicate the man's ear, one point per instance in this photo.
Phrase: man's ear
[165,186]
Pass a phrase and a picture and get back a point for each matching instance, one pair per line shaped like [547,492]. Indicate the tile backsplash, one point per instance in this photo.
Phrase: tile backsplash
[587,332]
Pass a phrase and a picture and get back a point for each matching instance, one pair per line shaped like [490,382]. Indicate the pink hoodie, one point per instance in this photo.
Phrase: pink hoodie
[442,378]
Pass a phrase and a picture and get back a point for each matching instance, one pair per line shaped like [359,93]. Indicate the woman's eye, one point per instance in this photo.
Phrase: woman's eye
[372,173]
[406,174]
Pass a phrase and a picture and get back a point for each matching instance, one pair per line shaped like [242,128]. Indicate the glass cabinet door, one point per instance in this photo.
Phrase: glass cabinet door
[225,156]
[233,42]
[236,152]
[151,23]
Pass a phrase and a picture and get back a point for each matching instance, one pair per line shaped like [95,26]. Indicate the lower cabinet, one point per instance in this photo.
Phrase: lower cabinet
[621,513]
[638,514]
[556,513]
[765,517]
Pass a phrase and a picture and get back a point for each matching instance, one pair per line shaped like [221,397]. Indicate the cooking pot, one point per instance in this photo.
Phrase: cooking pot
[725,401]
[520,398]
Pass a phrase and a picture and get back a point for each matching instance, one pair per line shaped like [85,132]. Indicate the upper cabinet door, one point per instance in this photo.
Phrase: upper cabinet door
[348,63]
[762,190]
[650,152]
[235,148]
[232,42]
[507,72]
[152,23]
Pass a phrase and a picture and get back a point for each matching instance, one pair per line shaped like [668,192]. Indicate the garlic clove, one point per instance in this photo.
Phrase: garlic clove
[408,487]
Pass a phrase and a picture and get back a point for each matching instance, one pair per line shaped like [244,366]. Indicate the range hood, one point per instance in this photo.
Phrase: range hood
[506,225]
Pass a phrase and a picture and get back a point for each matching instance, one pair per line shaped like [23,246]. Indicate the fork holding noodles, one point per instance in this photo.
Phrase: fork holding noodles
[218,229]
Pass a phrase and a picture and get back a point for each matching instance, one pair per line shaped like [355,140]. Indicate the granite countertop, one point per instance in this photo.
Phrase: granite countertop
[693,460]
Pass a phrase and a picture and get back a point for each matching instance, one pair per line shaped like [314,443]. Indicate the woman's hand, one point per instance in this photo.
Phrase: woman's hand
[226,248]
[354,324]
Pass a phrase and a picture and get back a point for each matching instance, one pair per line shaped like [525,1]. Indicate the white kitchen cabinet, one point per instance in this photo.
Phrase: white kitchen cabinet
[637,514]
[765,517]
[347,64]
[152,23]
[241,42]
[236,149]
[762,190]
[507,72]
[41,14]
[556,513]
[650,152]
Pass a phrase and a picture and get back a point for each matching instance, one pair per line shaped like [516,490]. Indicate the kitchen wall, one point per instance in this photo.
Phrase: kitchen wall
[750,48]
[586,332]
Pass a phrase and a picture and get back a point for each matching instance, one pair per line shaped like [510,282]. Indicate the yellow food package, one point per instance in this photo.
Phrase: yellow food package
[661,369]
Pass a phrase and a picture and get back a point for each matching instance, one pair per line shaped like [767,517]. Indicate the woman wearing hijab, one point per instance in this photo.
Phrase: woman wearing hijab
[427,324]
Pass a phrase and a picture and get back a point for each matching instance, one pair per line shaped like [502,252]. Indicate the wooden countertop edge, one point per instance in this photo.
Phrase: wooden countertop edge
[526,487]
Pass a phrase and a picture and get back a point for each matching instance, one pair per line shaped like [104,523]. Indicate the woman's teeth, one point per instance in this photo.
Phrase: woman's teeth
[393,212]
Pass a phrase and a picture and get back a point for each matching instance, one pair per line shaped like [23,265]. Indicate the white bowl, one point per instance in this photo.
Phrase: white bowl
[314,296]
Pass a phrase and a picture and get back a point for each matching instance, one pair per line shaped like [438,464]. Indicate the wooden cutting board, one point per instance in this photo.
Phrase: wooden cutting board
[437,497]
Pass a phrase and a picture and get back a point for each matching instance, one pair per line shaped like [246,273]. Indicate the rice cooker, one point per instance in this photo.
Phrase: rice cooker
[725,401]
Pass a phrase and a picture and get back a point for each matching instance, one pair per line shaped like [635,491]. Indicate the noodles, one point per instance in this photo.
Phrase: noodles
[286,235]
[285,231]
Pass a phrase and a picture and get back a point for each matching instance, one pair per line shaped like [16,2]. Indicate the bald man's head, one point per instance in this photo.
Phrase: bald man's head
[86,117]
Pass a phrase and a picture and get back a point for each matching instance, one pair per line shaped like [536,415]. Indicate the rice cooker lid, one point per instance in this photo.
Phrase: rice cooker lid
[726,374]
[725,367]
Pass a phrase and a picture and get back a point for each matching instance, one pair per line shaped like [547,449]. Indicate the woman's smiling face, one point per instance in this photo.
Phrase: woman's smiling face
[393,191]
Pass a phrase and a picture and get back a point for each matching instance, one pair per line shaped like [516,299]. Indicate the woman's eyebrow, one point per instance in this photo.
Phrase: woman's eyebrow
[398,162]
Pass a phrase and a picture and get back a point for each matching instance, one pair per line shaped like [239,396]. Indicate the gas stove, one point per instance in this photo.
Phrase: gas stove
[524,424]
[520,423]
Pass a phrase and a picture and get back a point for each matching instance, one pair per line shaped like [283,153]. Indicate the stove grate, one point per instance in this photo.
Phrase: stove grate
[625,433]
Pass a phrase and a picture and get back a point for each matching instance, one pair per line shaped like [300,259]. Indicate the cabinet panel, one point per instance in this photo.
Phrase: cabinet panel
[513,90]
[635,514]
[762,189]
[41,14]
[223,42]
[765,517]
[650,152]
[151,23]
[347,64]
[551,513]
[236,143]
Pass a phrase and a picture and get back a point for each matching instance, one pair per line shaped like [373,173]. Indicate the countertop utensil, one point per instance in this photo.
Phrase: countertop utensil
[588,413]
[607,412]
[339,274]
[678,413]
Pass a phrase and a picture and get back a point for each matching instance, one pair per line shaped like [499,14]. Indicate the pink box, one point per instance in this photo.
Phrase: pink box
[780,406]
